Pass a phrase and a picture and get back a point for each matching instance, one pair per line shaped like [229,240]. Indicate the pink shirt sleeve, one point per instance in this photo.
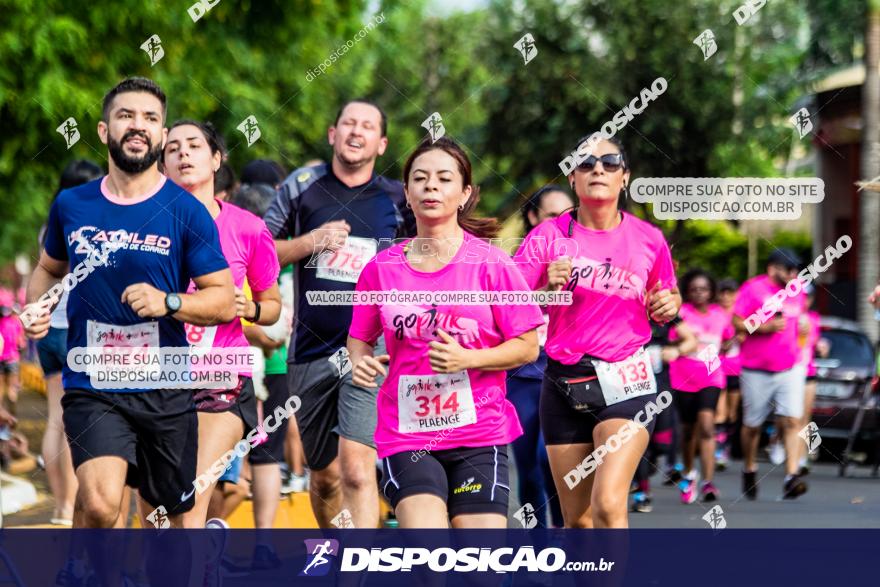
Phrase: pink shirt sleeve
[263,267]
[366,323]
[532,258]
[746,302]
[512,321]
[663,270]
[729,332]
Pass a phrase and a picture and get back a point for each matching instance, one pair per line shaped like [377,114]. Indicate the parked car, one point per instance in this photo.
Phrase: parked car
[842,378]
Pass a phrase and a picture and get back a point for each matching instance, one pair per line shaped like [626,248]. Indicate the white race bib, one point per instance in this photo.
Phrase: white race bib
[200,336]
[626,379]
[347,263]
[145,334]
[435,402]
[655,352]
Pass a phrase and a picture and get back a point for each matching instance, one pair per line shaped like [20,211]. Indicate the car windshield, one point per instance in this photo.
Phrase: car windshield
[849,348]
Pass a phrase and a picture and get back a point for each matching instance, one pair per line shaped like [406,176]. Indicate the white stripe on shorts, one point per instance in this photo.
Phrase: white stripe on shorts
[391,478]
[494,473]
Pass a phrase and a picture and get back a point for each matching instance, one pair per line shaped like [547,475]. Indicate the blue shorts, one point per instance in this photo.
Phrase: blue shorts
[52,350]
[232,473]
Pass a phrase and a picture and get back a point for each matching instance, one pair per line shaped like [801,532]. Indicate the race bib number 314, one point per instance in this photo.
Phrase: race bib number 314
[435,402]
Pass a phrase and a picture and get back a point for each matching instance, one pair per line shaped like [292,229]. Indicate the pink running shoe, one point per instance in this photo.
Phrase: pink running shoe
[708,492]
[688,488]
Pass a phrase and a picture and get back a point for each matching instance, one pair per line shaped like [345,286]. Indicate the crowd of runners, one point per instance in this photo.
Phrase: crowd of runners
[399,400]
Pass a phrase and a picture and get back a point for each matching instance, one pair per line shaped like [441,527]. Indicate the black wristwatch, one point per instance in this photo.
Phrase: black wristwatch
[172,303]
[256,313]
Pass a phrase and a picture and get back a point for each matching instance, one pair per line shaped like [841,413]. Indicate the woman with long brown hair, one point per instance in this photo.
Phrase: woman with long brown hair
[443,420]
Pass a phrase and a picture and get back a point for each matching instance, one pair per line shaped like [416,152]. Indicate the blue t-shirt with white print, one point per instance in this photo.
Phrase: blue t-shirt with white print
[164,238]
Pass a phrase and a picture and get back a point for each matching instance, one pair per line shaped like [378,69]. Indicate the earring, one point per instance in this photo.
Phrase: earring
[460,208]
[408,204]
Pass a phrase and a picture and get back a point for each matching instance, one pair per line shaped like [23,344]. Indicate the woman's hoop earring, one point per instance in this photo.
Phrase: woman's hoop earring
[460,208]
[408,204]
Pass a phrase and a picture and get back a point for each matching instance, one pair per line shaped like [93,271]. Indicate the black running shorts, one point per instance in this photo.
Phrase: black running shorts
[469,480]
[155,431]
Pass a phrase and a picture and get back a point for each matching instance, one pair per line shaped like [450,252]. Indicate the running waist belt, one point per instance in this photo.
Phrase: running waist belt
[592,383]
[578,383]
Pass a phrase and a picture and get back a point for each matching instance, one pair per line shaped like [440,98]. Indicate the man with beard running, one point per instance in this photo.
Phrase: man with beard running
[149,238]
[339,209]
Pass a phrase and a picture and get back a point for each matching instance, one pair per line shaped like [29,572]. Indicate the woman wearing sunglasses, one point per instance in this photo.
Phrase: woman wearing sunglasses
[599,377]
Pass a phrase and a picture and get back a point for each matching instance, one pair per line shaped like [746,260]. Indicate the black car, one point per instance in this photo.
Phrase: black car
[844,376]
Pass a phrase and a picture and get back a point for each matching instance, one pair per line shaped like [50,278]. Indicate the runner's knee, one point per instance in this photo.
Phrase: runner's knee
[355,478]
[98,510]
[608,507]
[325,483]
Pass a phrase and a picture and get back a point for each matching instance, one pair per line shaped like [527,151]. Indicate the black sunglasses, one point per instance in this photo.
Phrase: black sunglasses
[611,162]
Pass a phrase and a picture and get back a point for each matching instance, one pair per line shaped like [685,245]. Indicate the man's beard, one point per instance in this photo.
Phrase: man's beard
[130,164]
[355,163]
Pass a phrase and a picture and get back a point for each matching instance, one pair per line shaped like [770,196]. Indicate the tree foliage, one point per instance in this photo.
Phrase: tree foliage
[725,116]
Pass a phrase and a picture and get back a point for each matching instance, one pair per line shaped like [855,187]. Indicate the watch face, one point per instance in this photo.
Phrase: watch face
[173,302]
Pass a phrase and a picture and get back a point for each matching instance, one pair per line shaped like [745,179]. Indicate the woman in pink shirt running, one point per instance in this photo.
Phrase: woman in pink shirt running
[444,422]
[697,379]
[599,389]
[193,153]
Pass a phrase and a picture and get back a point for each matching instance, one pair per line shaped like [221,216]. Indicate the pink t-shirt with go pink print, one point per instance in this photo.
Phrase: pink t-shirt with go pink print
[693,373]
[250,252]
[417,408]
[612,271]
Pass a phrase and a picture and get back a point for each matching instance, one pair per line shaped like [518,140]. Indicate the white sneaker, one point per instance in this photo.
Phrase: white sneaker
[776,452]
[295,484]
[299,483]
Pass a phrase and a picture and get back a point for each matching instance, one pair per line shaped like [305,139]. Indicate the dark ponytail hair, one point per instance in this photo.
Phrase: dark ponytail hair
[487,228]
[77,173]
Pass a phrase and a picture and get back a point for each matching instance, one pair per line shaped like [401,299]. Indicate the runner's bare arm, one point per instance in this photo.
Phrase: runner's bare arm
[212,303]
[270,306]
[365,367]
[663,304]
[330,236]
[775,324]
[450,357]
[256,336]
[294,250]
[688,343]
[46,278]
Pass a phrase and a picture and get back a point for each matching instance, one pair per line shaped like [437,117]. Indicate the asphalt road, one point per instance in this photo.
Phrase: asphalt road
[830,502]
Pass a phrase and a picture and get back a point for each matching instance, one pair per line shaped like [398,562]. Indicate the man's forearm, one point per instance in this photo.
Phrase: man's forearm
[40,282]
[207,307]
[294,250]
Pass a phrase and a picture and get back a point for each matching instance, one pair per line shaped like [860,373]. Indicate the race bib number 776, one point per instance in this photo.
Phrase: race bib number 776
[346,263]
